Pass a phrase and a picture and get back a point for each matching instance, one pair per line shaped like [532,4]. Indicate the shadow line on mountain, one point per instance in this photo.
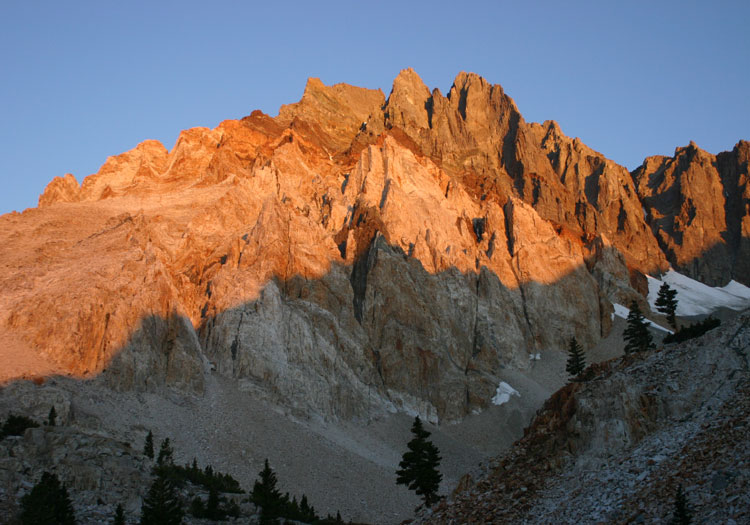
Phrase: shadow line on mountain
[380,334]
[381,323]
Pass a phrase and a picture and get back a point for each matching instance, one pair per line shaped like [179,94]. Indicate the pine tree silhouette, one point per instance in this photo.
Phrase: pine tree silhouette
[682,514]
[213,512]
[419,465]
[306,510]
[148,447]
[52,417]
[16,425]
[666,303]
[48,503]
[576,358]
[267,496]
[636,335]
[161,506]
[119,515]
[166,453]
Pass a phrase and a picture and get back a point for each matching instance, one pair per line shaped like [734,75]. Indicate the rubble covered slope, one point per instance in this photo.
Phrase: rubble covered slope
[615,447]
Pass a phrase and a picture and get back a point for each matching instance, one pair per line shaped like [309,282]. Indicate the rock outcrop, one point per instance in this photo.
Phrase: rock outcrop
[698,206]
[352,254]
[61,189]
[92,467]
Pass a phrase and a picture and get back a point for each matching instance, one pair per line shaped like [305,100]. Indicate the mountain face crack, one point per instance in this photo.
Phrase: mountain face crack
[479,226]
[358,279]
[236,342]
[476,337]
[384,195]
[508,209]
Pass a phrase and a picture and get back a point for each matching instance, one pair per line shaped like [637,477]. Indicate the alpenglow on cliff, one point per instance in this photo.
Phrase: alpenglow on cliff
[359,253]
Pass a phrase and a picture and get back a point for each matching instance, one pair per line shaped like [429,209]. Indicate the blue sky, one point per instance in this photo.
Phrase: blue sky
[85,80]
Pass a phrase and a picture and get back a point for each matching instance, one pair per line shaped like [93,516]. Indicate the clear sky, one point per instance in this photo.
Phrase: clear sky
[85,80]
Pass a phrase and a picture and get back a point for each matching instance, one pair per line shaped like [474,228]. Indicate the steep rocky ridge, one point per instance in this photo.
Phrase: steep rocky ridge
[334,114]
[477,133]
[352,254]
[698,206]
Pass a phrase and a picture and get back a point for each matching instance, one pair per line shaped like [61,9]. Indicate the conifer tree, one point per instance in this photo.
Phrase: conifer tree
[119,515]
[161,506]
[212,507]
[293,511]
[307,511]
[148,447]
[419,465]
[166,453]
[16,425]
[576,358]
[48,503]
[682,514]
[636,335]
[197,508]
[666,303]
[52,417]
[267,496]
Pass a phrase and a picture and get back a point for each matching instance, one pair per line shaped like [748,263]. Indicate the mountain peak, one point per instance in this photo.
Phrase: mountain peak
[313,84]
[407,105]
[464,79]
[60,189]
[408,80]
[334,113]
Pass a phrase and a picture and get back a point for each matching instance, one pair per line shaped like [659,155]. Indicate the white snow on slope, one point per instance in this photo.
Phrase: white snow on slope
[503,393]
[621,311]
[696,298]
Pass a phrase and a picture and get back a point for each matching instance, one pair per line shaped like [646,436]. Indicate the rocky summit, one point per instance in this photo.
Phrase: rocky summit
[357,256]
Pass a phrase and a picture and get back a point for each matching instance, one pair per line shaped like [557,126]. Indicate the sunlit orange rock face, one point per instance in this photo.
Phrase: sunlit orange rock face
[355,253]
[699,206]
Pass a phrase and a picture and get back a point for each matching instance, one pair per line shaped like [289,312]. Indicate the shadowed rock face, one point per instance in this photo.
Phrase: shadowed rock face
[698,207]
[351,254]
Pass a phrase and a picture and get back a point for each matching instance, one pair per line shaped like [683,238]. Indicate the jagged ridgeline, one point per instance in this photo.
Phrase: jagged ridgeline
[359,253]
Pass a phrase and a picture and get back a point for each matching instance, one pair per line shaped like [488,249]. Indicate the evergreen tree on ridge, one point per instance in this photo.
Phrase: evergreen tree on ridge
[48,503]
[161,506]
[636,335]
[419,465]
[666,303]
[576,358]
[148,447]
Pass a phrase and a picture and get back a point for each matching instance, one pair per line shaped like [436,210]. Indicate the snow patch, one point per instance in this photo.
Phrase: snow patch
[737,289]
[621,311]
[503,393]
[696,298]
